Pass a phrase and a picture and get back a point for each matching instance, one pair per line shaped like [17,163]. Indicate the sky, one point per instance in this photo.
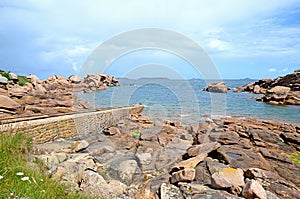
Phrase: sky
[244,39]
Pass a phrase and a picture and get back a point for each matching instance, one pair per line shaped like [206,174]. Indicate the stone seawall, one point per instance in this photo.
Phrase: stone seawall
[48,129]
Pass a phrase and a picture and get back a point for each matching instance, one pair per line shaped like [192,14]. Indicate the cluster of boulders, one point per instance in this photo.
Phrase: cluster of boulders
[282,90]
[219,87]
[217,158]
[51,96]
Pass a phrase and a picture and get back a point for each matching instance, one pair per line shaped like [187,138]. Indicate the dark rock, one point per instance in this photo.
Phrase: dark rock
[203,175]
[242,158]
[111,131]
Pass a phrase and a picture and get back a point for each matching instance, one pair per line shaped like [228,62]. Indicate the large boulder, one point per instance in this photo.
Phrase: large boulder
[168,191]
[13,76]
[3,80]
[75,79]
[227,178]
[253,189]
[279,91]
[34,79]
[39,90]
[8,103]
[219,87]
[19,91]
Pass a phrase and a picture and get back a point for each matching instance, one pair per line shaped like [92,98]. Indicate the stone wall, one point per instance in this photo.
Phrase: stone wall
[44,130]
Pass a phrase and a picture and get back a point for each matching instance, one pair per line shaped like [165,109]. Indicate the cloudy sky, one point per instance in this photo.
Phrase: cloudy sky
[253,38]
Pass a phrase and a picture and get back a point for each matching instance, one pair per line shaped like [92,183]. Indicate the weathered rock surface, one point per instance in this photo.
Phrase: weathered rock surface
[80,145]
[219,158]
[8,103]
[3,80]
[280,91]
[219,87]
[227,177]
[51,96]
[253,190]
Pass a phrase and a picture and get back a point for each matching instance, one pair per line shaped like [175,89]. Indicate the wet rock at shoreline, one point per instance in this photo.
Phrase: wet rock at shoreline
[284,90]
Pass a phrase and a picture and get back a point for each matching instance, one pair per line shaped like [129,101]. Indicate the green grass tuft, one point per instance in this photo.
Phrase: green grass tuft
[5,74]
[136,134]
[23,80]
[14,158]
[295,157]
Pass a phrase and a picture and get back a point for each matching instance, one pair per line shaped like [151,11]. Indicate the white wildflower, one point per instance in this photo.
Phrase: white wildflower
[1,177]
[25,178]
[20,173]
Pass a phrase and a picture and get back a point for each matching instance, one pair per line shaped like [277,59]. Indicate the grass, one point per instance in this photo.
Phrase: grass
[4,74]
[136,134]
[295,157]
[21,79]
[22,178]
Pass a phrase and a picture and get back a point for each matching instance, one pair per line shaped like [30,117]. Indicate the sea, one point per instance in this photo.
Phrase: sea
[185,100]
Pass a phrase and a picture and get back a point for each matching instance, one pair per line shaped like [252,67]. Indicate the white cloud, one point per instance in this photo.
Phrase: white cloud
[272,70]
[218,45]
[226,28]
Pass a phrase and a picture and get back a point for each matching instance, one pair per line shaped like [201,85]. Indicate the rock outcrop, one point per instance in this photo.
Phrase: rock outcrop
[219,158]
[219,87]
[51,96]
[282,90]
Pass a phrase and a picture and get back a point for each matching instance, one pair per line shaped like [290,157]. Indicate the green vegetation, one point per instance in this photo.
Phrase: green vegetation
[22,79]
[136,134]
[21,178]
[5,74]
[295,157]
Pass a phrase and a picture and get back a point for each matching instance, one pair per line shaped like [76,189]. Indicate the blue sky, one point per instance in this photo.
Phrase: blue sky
[253,38]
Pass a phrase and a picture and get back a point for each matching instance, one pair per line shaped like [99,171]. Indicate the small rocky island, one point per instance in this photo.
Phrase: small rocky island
[23,96]
[218,87]
[283,90]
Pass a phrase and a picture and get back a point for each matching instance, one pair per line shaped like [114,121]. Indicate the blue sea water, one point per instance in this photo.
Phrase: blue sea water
[185,100]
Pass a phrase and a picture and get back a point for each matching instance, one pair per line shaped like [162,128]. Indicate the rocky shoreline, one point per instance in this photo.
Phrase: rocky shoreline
[54,95]
[218,158]
[283,90]
[138,158]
